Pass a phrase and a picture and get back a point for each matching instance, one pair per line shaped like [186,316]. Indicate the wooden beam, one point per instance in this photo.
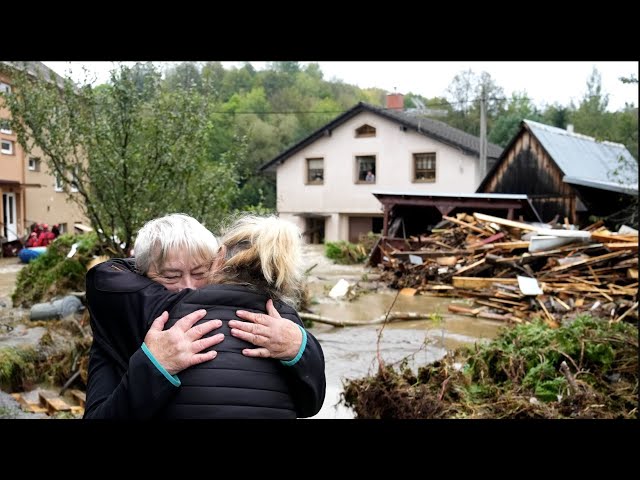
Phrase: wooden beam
[503,221]
[473,283]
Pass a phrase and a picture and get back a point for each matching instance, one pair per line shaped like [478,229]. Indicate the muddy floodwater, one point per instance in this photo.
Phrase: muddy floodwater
[350,352]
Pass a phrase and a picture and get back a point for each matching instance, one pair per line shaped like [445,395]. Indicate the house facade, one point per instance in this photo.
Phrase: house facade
[325,182]
[565,174]
[30,192]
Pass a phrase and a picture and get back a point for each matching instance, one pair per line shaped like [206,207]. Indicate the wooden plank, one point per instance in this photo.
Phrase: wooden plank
[474,283]
[467,225]
[495,316]
[496,306]
[439,287]
[505,245]
[590,261]
[53,403]
[503,221]
[461,310]
[490,239]
[409,292]
[431,253]
[549,318]
[79,397]
[632,273]
[471,267]
[622,246]
[614,237]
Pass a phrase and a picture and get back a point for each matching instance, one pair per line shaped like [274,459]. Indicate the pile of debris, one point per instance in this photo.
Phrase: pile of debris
[514,270]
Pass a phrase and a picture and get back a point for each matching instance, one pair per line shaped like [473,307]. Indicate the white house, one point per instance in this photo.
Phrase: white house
[325,181]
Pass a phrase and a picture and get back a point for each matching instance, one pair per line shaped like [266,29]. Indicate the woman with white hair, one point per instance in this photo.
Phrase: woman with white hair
[135,359]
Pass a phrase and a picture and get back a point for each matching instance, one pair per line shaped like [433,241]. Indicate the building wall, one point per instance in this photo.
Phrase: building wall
[340,196]
[528,169]
[45,204]
[36,197]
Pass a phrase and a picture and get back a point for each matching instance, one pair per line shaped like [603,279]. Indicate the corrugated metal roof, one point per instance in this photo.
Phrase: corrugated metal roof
[586,161]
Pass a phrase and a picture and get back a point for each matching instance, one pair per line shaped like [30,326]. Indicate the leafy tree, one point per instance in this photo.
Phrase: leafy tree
[591,117]
[465,92]
[133,149]
[507,125]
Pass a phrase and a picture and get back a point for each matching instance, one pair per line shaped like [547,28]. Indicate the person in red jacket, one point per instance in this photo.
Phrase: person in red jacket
[45,237]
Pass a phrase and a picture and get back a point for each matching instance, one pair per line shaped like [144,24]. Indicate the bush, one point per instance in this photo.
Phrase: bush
[52,273]
[345,253]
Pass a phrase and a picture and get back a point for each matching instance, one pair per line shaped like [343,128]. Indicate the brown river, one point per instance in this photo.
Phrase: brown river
[350,352]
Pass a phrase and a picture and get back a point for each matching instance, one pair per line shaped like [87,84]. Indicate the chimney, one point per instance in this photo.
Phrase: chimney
[570,127]
[395,101]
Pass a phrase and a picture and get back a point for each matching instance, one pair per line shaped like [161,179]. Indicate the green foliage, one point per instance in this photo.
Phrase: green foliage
[52,273]
[16,366]
[125,146]
[530,355]
[345,252]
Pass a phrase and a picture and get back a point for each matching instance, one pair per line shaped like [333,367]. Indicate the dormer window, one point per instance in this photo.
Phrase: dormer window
[365,131]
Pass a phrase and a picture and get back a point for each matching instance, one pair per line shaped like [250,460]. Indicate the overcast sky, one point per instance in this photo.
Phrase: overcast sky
[544,82]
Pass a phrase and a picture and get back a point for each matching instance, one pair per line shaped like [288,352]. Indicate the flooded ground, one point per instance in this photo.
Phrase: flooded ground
[351,352]
[9,268]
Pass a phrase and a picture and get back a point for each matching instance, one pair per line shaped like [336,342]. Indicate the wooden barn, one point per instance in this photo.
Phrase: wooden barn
[564,173]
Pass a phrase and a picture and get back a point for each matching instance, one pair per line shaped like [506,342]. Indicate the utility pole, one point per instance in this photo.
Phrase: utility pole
[483,135]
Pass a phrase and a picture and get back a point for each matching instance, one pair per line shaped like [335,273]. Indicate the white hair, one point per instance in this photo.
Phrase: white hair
[175,231]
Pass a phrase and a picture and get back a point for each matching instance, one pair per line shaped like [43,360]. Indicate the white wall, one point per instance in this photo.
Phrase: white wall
[340,194]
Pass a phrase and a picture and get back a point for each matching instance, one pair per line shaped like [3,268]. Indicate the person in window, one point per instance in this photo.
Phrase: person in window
[145,335]
[370,177]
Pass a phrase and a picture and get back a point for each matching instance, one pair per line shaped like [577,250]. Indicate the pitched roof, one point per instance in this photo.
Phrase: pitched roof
[583,159]
[426,126]
[36,69]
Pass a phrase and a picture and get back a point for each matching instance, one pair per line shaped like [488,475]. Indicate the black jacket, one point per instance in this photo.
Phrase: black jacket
[123,383]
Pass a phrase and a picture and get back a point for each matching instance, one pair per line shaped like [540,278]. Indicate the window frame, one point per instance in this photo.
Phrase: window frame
[309,180]
[358,159]
[5,87]
[74,179]
[415,159]
[10,150]
[3,122]
[371,131]
[36,164]
[58,185]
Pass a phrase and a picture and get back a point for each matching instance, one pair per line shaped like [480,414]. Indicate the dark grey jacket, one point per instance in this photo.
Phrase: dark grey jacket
[124,383]
[236,386]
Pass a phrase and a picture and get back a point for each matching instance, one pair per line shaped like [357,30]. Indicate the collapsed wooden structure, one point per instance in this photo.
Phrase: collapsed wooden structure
[481,256]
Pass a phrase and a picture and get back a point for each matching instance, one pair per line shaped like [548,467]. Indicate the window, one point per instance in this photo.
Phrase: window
[34,164]
[6,146]
[365,131]
[5,127]
[315,171]
[5,87]
[424,167]
[74,178]
[366,168]
[59,185]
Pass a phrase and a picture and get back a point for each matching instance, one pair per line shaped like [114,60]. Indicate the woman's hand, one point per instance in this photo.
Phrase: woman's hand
[275,336]
[178,347]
